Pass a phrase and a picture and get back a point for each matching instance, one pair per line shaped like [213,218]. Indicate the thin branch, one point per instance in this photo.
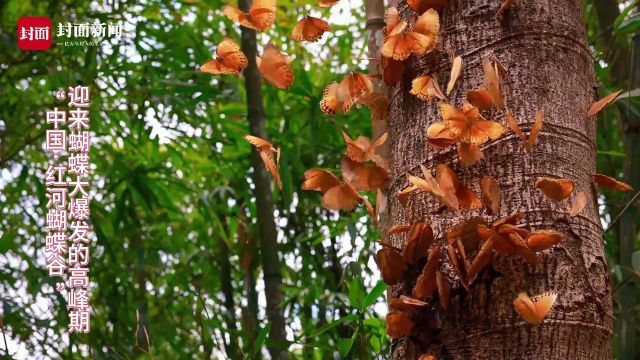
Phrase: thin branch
[613,223]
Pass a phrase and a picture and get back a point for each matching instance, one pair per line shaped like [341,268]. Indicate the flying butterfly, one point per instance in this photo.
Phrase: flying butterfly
[328,3]
[365,176]
[611,183]
[309,28]
[597,106]
[266,150]
[261,15]
[337,195]
[229,59]
[339,98]
[274,67]
[361,149]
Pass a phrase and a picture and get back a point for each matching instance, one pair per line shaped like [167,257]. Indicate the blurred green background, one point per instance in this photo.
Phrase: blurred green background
[173,211]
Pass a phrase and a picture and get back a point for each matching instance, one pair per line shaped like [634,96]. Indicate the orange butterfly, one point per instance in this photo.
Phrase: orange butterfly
[309,28]
[504,7]
[338,195]
[480,98]
[331,104]
[399,44]
[377,103]
[421,6]
[490,195]
[391,265]
[406,304]
[456,69]
[578,203]
[426,88]
[274,67]
[533,310]
[392,70]
[492,81]
[556,189]
[469,153]
[533,134]
[361,149]
[398,325]
[261,15]
[328,3]
[364,176]
[426,283]
[468,125]
[439,136]
[266,150]
[229,59]
[339,98]
[597,106]
[611,183]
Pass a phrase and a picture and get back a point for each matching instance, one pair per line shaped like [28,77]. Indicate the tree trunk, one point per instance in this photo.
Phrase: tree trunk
[226,282]
[543,45]
[264,201]
[374,13]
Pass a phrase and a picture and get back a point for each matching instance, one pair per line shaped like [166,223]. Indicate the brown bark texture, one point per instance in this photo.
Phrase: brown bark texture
[543,45]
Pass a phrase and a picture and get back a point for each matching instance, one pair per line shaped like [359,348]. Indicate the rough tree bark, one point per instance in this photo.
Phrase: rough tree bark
[543,45]
[264,201]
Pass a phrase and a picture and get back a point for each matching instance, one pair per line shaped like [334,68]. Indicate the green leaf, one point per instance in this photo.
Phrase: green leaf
[375,343]
[260,339]
[375,293]
[344,346]
[331,325]
[356,293]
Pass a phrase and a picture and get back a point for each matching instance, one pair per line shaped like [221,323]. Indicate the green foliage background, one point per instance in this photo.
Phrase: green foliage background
[172,192]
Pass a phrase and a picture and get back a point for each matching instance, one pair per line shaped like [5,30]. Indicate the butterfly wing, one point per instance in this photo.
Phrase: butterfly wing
[535,130]
[319,180]
[229,54]
[611,183]
[262,14]
[526,308]
[556,189]
[275,68]
[543,304]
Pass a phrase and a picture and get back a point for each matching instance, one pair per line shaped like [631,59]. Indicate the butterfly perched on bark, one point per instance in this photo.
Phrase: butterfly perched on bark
[556,189]
[421,6]
[309,28]
[426,88]
[534,309]
[229,59]
[468,126]
[422,38]
[274,67]
[266,150]
[261,15]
